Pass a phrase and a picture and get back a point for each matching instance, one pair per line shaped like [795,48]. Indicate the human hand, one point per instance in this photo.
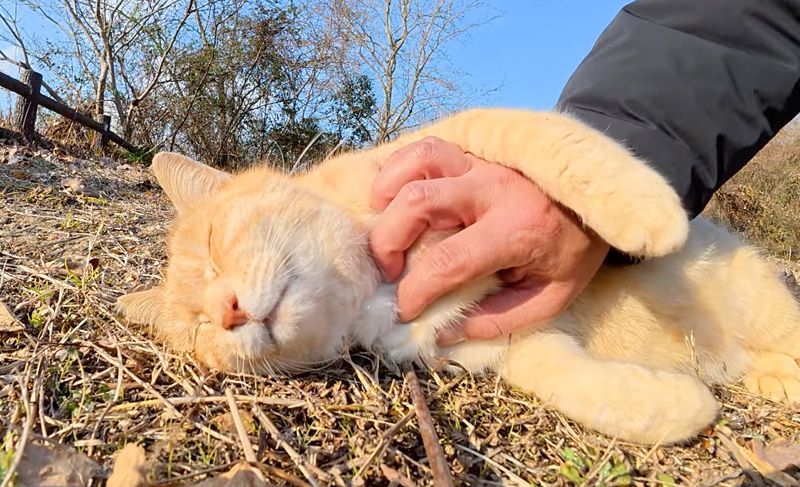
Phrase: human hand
[540,250]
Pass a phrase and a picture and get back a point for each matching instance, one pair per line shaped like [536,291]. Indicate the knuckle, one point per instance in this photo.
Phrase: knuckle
[417,194]
[398,157]
[429,148]
[448,260]
[431,143]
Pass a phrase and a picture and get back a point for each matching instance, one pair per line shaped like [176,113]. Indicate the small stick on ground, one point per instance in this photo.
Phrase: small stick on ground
[247,447]
[178,401]
[436,458]
[249,454]
[272,429]
[26,431]
[149,388]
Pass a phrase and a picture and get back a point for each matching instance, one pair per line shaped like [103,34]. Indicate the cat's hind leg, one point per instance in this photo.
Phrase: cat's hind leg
[627,401]
[775,352]
[774,375]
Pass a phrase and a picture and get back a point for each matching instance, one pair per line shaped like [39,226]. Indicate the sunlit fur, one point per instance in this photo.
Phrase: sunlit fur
[630,358]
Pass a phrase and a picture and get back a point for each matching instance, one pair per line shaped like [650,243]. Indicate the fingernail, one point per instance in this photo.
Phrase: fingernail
[450,336]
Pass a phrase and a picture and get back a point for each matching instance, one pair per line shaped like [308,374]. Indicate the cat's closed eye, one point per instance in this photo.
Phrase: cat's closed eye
[214,269]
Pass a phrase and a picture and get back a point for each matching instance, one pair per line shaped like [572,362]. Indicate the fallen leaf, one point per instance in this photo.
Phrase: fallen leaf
[768,470]
[781,453]
[241,475]
[746,457]
[71,265]
[665,479]
[129,468]
[225,421]
[8,323]
[396,477]
[45,466]
[76,186]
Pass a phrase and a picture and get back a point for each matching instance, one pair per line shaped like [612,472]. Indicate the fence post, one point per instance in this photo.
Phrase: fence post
[102,143]
[27,106]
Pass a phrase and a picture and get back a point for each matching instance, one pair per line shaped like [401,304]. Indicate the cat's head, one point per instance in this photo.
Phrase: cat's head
[263,274]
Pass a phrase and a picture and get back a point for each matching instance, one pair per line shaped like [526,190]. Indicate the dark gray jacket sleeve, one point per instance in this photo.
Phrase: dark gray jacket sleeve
[695,87]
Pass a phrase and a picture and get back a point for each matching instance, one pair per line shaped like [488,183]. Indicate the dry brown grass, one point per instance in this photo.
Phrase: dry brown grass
[762,201]
[78,379]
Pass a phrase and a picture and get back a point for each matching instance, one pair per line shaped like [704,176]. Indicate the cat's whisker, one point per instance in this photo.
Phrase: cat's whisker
[266,364]
[307,365]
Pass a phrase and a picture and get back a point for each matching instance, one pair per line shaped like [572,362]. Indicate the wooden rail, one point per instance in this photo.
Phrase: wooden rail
[30,98]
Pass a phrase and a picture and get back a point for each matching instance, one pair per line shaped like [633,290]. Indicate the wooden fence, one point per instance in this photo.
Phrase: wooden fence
[28,88]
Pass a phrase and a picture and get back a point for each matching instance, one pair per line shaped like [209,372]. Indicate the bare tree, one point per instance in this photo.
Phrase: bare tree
[401,45]
[239,81]
[107,45]
[12,35]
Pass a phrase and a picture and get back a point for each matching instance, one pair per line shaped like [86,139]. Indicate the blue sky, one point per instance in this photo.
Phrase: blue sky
[528,53]
[532,50]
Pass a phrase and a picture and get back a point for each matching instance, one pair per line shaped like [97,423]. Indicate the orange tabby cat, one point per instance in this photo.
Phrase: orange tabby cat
[269,272]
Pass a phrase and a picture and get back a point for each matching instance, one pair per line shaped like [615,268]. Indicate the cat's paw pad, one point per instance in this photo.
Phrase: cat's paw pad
[775,376]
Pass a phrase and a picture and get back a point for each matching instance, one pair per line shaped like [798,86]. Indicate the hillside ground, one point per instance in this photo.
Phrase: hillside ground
[77,384]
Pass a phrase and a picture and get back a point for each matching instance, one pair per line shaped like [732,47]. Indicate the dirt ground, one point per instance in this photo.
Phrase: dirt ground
[77,384]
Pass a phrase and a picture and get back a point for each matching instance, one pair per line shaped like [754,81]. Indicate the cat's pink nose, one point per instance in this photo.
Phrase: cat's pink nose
[233,315]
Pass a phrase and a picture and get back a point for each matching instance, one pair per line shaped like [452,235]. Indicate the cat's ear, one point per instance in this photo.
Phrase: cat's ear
[184,180]
[143,307]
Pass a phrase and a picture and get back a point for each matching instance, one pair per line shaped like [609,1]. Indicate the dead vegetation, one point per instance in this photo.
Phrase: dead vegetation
[762,201]
[80,389]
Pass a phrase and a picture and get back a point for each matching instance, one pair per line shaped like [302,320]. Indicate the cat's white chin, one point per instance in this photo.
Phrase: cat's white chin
[416,341]
[252,340]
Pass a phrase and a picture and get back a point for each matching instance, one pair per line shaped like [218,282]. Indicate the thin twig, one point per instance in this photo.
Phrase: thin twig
[108,358]
[23,441]
[272,429]
[383,443]
[516,478]
[386,437]
[712,483]
[247,447]
[599,464]
[436,458]
[178,401]
[177,479]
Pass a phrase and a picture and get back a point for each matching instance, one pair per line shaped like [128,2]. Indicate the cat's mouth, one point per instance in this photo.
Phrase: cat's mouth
[270,321]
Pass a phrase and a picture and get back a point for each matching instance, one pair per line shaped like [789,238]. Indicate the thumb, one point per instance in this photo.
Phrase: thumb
[509,311]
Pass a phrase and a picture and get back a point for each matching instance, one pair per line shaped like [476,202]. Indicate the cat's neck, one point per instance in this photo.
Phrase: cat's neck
[378,316]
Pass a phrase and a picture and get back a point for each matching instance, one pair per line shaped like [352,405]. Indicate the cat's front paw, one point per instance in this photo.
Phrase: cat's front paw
[400,343]
[775,376]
